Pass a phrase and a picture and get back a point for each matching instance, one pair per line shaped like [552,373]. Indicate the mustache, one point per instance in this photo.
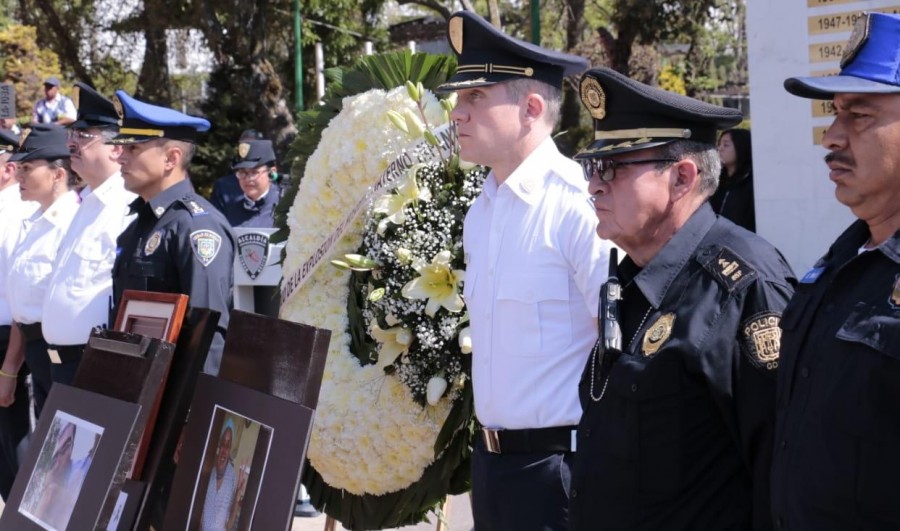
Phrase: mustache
[841,158]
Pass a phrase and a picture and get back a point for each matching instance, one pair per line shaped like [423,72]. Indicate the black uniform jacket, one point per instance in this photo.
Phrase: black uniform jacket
[179,243]
[682,436]
[837,453]
[242,212]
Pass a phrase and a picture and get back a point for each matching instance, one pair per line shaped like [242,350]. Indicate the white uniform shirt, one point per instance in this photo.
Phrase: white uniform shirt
[78,293]
[32,259]
[535,268]
[13,212]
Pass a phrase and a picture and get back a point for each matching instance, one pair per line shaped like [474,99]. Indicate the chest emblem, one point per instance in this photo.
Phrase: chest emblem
[153,243]
[206,245]
[657,334]
[762,339]
[895,294]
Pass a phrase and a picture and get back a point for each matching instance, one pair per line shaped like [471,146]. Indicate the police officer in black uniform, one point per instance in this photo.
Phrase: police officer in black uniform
[837,453]
[677,424]
[257,176]
[178,243]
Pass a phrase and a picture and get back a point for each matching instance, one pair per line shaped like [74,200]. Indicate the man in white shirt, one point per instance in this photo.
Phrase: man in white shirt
[533,275]
[53,108]
[13,393]
[78,297]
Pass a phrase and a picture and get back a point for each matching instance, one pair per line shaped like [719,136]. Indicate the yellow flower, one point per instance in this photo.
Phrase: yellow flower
[437,283]
[391,343]
[392,203]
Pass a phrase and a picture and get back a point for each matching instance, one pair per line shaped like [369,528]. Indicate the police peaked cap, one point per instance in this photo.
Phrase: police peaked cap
[143,121]
[629,115]
[254,153]
[93,109]
[9,141]
[870,63]
[486,56]
[42,142]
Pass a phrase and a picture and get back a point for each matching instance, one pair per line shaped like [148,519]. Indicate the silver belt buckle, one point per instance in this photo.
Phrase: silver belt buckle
[54,356]
[491,440]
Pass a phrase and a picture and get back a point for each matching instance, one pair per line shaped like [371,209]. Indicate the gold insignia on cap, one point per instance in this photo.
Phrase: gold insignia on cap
[763,335]
[23,136]
[455,30]
[657,334]
[895,294]
[243,149]
[153,243]
[118,105]
[593,97]
[857,38]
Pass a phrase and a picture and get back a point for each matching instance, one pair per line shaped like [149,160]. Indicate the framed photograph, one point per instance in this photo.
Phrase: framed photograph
[151,314]
[241,460]
[74,462]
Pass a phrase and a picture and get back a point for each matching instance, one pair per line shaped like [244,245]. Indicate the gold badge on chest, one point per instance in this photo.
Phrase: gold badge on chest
[657,334]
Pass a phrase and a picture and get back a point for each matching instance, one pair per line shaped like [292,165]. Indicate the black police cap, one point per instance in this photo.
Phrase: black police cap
[629,115]
[42,142]
[254,153]
[93,109]
[9,141]
[487,56]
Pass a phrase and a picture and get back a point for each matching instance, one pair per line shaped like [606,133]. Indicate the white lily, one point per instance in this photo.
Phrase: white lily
[392,343]
[465,340]
[438,284]
[392,203]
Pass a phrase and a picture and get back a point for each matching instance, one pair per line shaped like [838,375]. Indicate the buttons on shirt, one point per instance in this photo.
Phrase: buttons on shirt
[634,388]
[804,372]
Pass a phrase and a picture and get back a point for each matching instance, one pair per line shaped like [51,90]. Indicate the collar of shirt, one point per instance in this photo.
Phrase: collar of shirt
[527,181]
[55,214]
[656,277]
[848,244]
[112,190]
[161,202]
[10,195]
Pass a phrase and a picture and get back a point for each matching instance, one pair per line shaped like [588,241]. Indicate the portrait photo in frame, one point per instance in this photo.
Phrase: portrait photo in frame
[70,469]
[151,314]
[241,460]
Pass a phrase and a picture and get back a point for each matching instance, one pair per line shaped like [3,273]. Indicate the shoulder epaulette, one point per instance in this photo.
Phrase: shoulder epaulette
[729,269]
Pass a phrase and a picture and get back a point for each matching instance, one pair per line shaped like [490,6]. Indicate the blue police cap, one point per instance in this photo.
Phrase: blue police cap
[870,63]
[94,110]
[486,56]
[142,122]
[253,154]
[42,142]
[629,115]
[9,141]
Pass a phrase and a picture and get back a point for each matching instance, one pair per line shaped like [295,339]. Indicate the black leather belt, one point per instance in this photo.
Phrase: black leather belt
[556,439]
[31,331]
[65,353]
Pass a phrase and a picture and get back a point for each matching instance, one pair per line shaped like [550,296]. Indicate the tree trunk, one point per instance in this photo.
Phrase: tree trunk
[570,113]
[154,83]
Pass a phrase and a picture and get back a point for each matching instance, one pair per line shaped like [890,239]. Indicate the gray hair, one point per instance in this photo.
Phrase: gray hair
[519,87]
[72,178]
[704,155]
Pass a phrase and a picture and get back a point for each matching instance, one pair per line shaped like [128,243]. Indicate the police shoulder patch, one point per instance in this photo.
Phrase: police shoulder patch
[761,339]
[206,245]
[730,270]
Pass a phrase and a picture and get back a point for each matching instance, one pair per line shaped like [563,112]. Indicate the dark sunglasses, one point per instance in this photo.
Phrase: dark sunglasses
[606,168]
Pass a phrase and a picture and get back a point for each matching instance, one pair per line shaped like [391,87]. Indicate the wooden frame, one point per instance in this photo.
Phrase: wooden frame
[151,314]
[273,458]
[74,463]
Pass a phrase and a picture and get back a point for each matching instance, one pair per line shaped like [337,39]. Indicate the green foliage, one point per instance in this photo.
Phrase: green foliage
[25,64]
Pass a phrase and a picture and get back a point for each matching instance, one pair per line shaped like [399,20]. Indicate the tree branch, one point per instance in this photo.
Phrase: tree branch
[430,4]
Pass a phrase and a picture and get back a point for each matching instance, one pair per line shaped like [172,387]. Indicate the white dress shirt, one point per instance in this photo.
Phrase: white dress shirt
[32,259]
[13,212]
[535,268]
[77,297]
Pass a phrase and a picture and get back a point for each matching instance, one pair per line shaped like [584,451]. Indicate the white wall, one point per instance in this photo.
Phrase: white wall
[795,205]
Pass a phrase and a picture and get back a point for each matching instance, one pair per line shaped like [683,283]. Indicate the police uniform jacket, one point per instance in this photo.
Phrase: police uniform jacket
[179,243]
[244,212]
[682,436]
[837,453]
